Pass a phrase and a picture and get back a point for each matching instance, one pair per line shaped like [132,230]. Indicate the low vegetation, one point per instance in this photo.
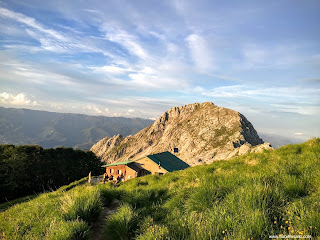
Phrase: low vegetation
[248,197]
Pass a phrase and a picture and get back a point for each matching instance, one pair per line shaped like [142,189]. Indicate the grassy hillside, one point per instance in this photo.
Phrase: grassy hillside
[248,197]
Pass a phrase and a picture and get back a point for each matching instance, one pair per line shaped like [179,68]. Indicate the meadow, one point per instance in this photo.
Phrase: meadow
[248,197]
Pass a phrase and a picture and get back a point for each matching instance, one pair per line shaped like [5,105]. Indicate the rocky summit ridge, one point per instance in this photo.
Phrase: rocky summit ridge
[202,133]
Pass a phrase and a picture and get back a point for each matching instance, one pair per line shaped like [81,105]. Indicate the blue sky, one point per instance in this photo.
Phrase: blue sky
[140,58]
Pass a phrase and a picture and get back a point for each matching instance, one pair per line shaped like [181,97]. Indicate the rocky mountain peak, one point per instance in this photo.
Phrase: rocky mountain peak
[202,133]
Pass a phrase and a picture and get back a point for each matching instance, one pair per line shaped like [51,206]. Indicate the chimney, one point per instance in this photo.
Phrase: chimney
[175,150]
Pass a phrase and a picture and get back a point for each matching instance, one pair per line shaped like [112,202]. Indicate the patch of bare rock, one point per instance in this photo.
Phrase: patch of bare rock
[202,132]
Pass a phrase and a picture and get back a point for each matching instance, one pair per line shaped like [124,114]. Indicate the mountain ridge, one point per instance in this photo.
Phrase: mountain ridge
[202,133]
[51,129]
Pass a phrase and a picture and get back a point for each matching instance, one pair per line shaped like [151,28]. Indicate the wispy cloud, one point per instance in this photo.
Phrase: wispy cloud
[298,109]
[200,52]
[92,109]
[31,22]
[37,76]
[298,133]
[53,40]
[261,92]
[281,99]
[128,41]
[114,70]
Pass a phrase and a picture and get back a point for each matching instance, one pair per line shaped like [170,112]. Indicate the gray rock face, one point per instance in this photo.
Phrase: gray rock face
[202,133]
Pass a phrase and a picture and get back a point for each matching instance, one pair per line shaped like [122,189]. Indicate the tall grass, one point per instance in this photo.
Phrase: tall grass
[121,225]
[83,203]
[108,193]
[55,215]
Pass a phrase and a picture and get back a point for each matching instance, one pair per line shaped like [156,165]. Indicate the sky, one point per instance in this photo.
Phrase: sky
[139,58]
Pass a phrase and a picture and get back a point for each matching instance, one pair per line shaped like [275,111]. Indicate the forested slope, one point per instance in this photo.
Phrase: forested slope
[31,169]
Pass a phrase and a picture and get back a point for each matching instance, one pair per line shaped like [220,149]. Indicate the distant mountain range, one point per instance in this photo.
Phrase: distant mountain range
[277,140]
[50,129]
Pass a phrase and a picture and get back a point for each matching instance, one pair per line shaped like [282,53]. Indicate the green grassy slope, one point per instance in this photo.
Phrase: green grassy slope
[248,197]
[63,214]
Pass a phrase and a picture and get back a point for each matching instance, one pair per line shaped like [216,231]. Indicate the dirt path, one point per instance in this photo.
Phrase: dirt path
[98,228]
[96,180]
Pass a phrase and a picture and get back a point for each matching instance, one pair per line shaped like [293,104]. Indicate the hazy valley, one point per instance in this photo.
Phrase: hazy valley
[50,129]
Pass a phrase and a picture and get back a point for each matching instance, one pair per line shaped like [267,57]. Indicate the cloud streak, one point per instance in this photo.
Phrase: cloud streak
[31,22]
[282,99]
[128,41]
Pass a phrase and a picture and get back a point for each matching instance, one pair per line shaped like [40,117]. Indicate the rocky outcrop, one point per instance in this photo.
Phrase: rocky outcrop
[202,133]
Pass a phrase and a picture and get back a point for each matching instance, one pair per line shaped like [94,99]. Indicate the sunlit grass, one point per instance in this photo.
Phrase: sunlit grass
[56,215]
[83,203]
[121,224]
[248,197]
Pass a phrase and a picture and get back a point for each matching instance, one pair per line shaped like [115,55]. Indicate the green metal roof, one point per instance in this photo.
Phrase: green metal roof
[117,163]
[168,161]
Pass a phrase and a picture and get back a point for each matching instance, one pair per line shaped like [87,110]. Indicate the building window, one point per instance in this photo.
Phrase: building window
[120,172]
[129,176]
[112,170]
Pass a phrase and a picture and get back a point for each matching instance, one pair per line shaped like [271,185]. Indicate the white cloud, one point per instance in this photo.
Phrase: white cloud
[293,99]
[200,52]
[19,99]
[117,115]
[172,48]
[130,42]
[298,133]
[152,81]
[143,76]
[112,70]
[93,109]
[52,40]
[23,48]
[299,109]
[31,22]
[260,92]
[131,111]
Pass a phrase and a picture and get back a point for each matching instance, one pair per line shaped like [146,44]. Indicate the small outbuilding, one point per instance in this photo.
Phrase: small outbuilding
[159,164]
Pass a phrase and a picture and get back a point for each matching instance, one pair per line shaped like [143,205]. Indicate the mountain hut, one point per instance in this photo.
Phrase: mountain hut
[158,164]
